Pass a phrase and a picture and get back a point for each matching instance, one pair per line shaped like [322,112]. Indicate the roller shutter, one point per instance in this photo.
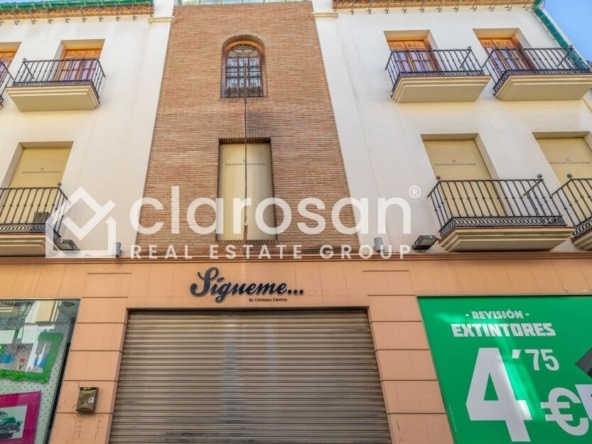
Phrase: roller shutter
[273,377]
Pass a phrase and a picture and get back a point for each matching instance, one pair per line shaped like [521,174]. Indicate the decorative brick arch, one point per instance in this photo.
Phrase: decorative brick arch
[243,67]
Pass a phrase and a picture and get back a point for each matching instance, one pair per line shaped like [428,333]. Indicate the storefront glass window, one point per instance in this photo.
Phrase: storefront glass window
[34,341]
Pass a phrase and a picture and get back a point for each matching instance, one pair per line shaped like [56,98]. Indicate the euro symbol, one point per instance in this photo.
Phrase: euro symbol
[555,406]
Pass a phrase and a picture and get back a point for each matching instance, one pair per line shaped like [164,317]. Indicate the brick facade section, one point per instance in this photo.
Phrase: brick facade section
[296,116]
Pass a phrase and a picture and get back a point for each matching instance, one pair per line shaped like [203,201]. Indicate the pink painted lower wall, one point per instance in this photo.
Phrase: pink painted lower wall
[388,289]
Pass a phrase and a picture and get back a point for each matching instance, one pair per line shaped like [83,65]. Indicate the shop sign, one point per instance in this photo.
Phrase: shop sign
[214,284]
[513,369]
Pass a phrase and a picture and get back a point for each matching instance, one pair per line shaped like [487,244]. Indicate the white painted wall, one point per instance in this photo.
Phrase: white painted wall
[588,100]
[111,145]
[381,140]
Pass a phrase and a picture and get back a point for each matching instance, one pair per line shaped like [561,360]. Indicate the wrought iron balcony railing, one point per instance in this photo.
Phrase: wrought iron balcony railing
[62,72]
[505,62]
[432,63]
[25,210]
[5,78]
[575,197]
[231,92]
[494,203]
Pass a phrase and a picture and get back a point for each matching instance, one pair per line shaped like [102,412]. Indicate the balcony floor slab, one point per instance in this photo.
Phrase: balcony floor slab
[54,98]
[545,87]
[22,244]
[583,242]
[505,238]
[439,89]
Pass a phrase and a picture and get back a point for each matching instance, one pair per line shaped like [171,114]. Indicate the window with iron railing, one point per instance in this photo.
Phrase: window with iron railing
[27,209]
[506,57]
[61,72]
[575,198]
[494,203]
[432,63]
[243,71]
[6,57]
[412,55]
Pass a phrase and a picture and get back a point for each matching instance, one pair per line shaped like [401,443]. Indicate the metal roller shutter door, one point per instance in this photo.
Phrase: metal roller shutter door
[273,377]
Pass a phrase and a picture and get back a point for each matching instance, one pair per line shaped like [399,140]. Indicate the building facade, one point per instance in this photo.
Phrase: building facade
[471,112]
[79,88]
[276,284]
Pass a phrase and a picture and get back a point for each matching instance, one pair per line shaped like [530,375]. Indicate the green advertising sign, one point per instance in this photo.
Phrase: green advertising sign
[513,369]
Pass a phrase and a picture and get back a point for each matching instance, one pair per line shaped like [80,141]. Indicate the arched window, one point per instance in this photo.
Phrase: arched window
[243,71]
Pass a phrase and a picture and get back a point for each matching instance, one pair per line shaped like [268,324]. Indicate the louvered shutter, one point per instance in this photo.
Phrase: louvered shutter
[249,377]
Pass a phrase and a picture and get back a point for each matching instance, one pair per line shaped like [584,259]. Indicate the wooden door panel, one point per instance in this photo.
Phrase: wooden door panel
[6,57]
[506,54]
[413,55]
[467,190]
[571,156]
[33,187]
[78,64]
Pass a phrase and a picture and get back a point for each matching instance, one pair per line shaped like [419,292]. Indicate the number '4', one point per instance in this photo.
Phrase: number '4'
[506,407]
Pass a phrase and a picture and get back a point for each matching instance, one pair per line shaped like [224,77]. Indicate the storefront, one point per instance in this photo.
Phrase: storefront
[311,351]
[268,376]
[34,341]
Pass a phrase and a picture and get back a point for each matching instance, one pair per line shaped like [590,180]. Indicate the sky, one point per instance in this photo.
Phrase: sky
[574,17]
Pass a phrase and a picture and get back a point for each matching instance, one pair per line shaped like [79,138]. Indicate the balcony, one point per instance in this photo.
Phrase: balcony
[5,78]
[23,213]
[57,85]
[538,74]
[440,75]
[497,215]
[575,197]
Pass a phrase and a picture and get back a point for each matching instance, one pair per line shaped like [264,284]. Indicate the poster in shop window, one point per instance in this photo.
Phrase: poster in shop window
[513,369]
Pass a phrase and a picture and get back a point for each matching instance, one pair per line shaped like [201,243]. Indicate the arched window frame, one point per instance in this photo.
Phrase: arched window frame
[243,57]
